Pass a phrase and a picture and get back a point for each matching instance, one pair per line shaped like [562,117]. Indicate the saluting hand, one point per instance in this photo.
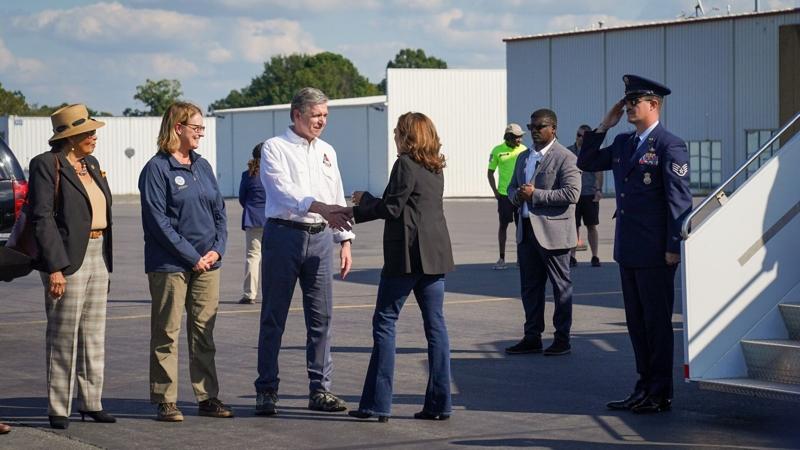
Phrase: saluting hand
[613,115]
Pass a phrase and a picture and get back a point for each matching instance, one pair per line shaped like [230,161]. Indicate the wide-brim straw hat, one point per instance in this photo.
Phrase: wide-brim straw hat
[72,120]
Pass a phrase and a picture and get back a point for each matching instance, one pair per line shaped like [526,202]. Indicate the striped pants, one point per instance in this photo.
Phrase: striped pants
[76,333]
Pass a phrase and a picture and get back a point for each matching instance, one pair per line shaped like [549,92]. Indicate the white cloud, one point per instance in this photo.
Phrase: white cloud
[300,5]
[257,41]
[156,65]
[466,29]
[113,24]
[19,68]
[218,54]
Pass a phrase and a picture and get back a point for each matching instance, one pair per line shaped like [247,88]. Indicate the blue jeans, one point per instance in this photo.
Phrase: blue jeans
[290,255]
[392,293]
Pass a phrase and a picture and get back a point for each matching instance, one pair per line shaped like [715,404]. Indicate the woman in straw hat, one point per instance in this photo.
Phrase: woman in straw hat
[70,205]
[183,216]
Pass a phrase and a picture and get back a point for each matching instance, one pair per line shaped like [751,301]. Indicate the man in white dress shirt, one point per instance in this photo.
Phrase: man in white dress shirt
[301,179]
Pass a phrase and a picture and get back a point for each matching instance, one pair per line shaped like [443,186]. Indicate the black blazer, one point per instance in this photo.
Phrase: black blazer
[415,236]
[62,232]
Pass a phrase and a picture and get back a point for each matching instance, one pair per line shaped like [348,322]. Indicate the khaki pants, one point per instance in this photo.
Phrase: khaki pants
[198,294]
[76,335]
[252,263]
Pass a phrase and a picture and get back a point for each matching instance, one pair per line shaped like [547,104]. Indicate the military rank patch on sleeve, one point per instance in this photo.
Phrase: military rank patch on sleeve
[680,170]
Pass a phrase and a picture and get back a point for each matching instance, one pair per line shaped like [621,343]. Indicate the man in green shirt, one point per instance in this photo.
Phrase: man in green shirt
[503,159]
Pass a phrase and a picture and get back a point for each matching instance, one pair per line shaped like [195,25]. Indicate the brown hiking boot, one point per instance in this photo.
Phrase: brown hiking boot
[213,408]
[169,412]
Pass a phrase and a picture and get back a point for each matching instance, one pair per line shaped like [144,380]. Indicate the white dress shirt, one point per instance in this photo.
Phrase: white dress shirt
[295,173]
[530,167]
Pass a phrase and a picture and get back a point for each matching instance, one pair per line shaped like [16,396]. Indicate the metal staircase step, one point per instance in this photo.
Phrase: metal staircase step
[791,316]
[773,360]
[753,388]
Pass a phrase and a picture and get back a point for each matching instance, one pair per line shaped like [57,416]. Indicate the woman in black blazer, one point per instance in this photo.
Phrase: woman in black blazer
[416,254]
[70,205]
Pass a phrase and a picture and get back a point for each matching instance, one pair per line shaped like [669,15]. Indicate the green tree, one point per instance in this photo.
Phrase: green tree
[156,95]
[408,58]
[12,103]
[284,75]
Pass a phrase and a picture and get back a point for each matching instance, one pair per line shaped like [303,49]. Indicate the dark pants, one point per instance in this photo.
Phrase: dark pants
[289,255]
[376,397]
[649,295]
[536,266]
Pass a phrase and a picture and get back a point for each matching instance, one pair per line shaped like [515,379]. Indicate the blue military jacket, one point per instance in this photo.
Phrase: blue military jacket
[183,213]
[252,198]
[652,190]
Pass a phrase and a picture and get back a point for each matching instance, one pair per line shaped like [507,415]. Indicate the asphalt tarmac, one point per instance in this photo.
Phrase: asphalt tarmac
[499,400]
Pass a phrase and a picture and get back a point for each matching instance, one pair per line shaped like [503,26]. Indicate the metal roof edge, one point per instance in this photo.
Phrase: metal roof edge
[687,20]
[354,101]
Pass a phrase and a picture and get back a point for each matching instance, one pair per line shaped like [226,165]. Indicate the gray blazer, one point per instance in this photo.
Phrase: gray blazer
[557,187]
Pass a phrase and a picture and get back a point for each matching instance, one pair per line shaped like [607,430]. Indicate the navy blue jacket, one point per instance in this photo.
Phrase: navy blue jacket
[252,198]
[652,190]
[183,213]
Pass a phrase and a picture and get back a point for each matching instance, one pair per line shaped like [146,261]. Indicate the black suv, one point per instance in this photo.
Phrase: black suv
[13,190]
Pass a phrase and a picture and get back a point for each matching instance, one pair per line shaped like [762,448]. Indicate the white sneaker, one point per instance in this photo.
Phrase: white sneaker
[500,264]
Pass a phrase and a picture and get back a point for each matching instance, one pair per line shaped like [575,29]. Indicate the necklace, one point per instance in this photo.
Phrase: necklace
[83,171]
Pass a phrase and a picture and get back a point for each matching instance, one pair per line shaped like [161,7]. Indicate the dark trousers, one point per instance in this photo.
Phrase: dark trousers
[393,291]
[649,295]
[536,266]
[290,255]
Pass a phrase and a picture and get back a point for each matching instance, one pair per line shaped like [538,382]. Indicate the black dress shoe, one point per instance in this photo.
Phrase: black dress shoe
[59,422]
[365,415]
[424,415]
[652,404]
[98,416]
[558,348]
[573,262]
[526,345]
[628,403]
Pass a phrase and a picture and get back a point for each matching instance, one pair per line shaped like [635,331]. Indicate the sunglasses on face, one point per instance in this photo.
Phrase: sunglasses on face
[580,135]
[540,126]
[632,102]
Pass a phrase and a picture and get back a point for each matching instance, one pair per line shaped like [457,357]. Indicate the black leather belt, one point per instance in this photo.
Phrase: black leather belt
[310,228]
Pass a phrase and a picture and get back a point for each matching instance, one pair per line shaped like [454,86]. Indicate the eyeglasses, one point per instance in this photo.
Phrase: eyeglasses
[579,135]
[538,127]
[196,128]
[632,102]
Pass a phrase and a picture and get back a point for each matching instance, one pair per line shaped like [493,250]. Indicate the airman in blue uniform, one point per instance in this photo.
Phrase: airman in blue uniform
[651,175]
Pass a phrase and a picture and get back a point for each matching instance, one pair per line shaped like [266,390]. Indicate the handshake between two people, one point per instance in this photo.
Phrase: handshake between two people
[338,217]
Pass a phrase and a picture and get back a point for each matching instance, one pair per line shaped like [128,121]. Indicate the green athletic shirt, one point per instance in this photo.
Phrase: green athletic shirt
[503,158]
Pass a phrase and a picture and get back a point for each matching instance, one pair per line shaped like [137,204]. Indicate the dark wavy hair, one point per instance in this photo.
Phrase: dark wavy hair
[416,136]
[255,162]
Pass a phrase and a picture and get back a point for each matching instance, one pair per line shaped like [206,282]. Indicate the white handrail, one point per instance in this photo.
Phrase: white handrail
[695,211]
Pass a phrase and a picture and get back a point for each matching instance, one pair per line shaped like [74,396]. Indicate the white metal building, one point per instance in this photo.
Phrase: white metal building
[27,137]
[734,78]
[468,108]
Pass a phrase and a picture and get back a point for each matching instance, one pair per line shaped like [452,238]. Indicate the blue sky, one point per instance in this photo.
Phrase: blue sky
[97,52]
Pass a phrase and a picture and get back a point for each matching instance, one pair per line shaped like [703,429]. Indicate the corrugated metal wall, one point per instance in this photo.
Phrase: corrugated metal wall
[468,108]
[723,74]
[356,132]
[28,137]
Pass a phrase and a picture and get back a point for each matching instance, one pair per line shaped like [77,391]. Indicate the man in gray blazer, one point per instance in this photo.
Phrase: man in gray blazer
[546,186]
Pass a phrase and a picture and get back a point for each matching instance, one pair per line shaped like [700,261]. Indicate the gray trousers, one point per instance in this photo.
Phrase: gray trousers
[290,255]
[76,334]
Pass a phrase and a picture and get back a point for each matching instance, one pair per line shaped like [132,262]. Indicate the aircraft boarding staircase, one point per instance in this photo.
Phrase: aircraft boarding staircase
[741,279]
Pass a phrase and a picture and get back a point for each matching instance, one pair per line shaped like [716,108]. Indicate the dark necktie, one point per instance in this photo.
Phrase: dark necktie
[635,147]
